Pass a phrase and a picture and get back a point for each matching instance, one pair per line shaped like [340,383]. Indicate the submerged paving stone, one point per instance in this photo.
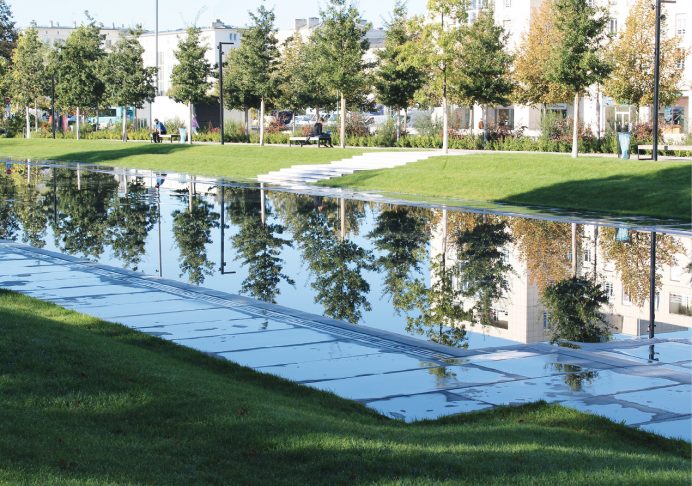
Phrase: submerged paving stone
[535,366]
[675,399]
[672,352]
[675,429]
[269,339]
[616,412]
[425,407]
[215,328]
[305,353]
[209,314]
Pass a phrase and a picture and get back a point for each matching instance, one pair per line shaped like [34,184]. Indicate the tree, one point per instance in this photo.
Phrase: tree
[258,57]
[8,31]
[28,72]
[576,62]
[533,84]
[484,65]
[573,307]
[127,81]
[632,79]
[632,259]
[483,268]
[238,92]
[340,45]
[397,80]
[78,80]
[9,225]
[192,233]
[189,79]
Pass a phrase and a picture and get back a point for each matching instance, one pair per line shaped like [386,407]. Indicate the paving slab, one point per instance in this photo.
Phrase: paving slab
[675,429]
[399,377]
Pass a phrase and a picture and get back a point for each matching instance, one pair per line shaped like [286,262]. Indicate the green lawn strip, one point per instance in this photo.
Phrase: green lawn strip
[232,161]
[662,189]
[87,402]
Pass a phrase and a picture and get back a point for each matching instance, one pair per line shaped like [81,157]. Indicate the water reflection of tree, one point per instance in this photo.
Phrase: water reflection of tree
[258,243]
[8,218]
[545,247]
[440,311]
[336,263]
[82,215]
[192,232]
[574,377]
[483,267]
[32,211]
[632,259]
[401,233]
[130,222]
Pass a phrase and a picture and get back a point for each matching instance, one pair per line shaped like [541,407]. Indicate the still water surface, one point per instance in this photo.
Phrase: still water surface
[367,263]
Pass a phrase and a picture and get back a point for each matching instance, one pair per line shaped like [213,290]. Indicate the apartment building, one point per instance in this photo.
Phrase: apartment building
[54,33]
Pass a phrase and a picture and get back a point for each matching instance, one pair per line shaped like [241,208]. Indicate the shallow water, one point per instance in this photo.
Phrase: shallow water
[363,262]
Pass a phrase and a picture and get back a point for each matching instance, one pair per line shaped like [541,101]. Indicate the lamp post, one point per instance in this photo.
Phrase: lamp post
[52,104]
[221,122]
[657,75]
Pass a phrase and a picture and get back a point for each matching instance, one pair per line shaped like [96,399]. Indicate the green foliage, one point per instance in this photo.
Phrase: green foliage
[577,61]
[8,31]
[127,81]
[483,65]
[339,45]
[300,77]
[396,79]
[483,267]
[238,91]
[440,314]
[192,232]
[28,68]
[76,65]
[189,79]
[258,54]
[573,307]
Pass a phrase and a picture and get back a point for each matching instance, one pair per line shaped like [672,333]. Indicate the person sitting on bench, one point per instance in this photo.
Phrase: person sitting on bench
[159,129]
[317,128]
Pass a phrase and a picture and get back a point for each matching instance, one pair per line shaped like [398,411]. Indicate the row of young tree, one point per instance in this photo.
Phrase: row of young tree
[443,58]
[438,59]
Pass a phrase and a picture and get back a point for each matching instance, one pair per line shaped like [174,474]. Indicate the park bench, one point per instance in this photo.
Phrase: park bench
[322,140]
[642,149]
[168,136]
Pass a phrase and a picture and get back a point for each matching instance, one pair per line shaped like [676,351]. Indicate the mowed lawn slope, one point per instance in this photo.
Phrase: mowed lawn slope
[232,161]
[86,402]
[590,183]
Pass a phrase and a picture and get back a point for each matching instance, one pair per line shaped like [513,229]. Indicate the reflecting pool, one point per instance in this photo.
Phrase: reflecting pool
[460,278]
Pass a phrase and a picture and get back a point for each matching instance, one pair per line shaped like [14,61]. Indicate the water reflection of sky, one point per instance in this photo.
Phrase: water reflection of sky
[319,219]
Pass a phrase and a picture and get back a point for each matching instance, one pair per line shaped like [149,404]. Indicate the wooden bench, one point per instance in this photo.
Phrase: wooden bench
[324,140]
[168,136]
[662,148]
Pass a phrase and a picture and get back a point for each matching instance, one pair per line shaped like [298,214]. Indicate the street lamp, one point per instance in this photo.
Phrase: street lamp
[221,44]
[657,74]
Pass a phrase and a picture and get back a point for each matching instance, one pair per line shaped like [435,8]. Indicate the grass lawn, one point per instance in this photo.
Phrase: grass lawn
[232,161]
[86,402]
[593,183]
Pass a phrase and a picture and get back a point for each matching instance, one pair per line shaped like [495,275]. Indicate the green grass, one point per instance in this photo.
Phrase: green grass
[232,161]
[86,402]
[631,187]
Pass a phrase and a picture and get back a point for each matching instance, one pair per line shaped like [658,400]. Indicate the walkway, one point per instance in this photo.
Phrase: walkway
[400,377]
[298,176]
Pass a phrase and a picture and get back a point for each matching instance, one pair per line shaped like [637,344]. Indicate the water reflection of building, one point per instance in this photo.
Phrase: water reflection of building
[520,316]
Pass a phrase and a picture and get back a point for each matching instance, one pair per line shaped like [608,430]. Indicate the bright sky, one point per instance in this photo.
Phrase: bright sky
[175,14]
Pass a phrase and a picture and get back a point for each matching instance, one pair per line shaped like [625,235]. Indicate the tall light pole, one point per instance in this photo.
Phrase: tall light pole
[221,122]
[657,75]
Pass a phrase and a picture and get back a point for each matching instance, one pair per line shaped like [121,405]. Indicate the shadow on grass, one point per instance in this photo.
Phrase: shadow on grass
[94,401]
[665,193]
[99,155]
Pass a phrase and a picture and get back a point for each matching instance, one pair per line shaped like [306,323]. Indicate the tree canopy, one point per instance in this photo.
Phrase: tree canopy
[8,31]
[189,78]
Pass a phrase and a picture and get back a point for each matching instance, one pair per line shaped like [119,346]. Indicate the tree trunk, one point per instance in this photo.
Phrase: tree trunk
[484,115]
[598,111]
[28,122]
[398,125]
[445,126]
[342,133]
[189,119]
[36,116]
[247,123]
[124,128]
[575,128]
[405,120]
[77,118]
[261,123]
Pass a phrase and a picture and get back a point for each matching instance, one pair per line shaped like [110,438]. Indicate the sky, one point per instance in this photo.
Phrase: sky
[174,14]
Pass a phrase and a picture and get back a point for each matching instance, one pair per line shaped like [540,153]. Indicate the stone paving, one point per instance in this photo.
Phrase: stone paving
[398,376]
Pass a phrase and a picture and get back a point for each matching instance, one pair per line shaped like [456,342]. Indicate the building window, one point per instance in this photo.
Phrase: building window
[626,298]
[505,117]
[680,305]
[680,24]
[508,3]
[608,288]
[587,256]
[613,26]
[680,58]
[676,273]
